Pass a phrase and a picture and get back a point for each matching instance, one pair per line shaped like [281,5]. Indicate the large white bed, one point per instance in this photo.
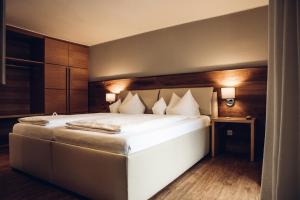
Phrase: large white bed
[134,164]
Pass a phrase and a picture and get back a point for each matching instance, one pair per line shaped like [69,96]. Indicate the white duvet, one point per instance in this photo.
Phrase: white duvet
[137,132]
[58,120]
[32,126]
[122,123]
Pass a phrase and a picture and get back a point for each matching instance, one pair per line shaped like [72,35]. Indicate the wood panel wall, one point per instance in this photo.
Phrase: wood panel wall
[15,95]
[250,84]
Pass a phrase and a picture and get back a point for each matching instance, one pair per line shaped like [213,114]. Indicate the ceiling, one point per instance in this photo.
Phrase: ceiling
[92,22]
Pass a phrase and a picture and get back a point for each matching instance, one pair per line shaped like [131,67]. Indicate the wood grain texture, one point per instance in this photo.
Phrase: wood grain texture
[55,77]
[78,101]
[78,56]
[224,178]
[241,120]
[15,95]
[56,52]
[78,79]
[250,84]
[25,57]
[232,120]
[24,92]
[70,74]
[24,45]
[27,78]
[55,101]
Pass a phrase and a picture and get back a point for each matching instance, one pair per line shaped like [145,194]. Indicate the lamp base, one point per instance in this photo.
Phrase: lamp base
[230,102]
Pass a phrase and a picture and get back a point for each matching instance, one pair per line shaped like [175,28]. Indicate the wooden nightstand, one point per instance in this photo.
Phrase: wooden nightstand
[239,120]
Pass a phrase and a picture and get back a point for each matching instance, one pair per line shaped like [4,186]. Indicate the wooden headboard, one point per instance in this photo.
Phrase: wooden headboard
[250,84]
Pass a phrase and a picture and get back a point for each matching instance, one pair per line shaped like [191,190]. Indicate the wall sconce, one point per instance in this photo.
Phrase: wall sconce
[110,97]
[229,95]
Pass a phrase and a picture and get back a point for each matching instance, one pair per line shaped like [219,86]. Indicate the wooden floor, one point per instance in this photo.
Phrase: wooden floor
[225,177]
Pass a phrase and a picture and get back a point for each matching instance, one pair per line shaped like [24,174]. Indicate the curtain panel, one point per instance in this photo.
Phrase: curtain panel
[281,164]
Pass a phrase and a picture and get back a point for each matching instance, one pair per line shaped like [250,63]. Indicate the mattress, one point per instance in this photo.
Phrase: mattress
[124,143]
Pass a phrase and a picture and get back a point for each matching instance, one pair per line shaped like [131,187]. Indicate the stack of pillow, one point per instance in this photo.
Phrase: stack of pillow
[132,104]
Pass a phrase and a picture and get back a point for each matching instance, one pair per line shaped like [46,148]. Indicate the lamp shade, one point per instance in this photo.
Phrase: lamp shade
[110,97]
[228,93]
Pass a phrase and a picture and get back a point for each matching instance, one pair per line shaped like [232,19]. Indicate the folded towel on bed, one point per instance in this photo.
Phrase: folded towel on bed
[94,126]
[40,120]
[59,120]
[122,123]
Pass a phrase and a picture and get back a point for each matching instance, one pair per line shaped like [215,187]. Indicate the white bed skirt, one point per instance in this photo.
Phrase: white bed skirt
[102,175]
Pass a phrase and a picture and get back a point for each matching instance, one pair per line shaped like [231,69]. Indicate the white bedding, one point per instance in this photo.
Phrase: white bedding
[124,123]
[152,130]
[46,131]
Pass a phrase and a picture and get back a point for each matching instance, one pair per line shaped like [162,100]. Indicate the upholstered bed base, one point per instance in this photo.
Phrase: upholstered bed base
[103,175]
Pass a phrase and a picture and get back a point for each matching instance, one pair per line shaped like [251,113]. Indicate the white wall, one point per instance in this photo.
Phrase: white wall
[235,40]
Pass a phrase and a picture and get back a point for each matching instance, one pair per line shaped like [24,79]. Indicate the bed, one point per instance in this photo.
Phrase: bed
[128,166]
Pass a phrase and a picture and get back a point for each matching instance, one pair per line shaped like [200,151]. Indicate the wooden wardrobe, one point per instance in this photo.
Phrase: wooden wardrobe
[66,77]
[43,75]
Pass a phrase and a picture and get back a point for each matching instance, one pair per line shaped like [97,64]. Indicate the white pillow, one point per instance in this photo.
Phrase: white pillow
[159,107]
[174,100]
[132,106]
[114,108]
[128,97]
[187,105]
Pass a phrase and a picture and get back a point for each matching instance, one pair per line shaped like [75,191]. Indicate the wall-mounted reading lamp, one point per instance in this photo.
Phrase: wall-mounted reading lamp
[229,95]
[110,97]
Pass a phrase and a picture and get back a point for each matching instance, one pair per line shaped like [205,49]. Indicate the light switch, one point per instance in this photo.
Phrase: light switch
[229,132]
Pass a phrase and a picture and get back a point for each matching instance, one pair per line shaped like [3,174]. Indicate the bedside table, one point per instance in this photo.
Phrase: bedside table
[237,120]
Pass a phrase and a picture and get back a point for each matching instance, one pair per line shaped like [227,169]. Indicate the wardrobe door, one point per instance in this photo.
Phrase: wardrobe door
[55,101]
[78,56]
[56,52]
[78,79]
[78,101]
[55,77]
